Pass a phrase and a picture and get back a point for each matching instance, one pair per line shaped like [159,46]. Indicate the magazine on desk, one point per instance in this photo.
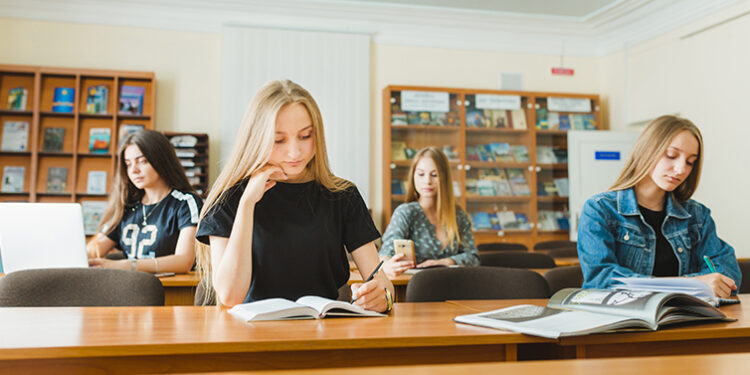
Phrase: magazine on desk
[577,312]
[307,307]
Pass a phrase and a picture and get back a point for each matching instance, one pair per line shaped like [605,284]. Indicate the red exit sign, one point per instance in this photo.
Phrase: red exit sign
[563,71]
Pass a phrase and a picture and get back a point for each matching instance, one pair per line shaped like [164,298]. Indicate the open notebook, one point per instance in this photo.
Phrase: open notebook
[307,307]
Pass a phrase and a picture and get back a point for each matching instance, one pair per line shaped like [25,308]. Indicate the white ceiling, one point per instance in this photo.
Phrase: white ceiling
[553,8]
[588,28]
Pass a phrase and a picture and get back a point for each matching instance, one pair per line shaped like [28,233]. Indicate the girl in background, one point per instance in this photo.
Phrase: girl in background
[152,213]
[440,229]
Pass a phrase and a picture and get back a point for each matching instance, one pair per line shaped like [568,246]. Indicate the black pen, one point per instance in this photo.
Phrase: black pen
[371,276]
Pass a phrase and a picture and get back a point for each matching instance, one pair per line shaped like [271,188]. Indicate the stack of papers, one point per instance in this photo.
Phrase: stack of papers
[693,287]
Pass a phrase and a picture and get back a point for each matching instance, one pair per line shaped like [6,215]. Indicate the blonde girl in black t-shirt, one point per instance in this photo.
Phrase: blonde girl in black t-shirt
[152,213]
[277,220]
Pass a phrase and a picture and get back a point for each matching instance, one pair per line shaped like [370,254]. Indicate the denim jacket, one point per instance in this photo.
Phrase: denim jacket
[615,241]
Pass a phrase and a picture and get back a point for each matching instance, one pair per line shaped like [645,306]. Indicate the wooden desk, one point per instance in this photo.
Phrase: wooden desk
[169,339]
[683,365]
[179,290]
[709,338]
[567,261]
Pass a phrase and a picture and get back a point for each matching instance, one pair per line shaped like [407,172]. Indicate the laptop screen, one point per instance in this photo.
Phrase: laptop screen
[41,235]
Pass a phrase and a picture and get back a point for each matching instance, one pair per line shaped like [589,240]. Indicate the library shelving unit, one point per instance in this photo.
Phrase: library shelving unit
[194,158]
[470,125]
[75,154]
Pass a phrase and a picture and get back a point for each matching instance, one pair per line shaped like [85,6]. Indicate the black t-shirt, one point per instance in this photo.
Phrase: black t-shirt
[300,233]
[164,221]
[665,263]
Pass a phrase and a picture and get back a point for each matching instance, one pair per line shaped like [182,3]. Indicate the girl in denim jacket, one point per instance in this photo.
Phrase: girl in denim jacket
[647,225]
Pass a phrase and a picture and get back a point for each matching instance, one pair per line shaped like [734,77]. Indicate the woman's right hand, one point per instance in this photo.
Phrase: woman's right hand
[720,284]
[262,180]
[397,265]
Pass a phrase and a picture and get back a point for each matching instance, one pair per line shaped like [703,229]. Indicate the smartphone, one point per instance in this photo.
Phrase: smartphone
[164,274]
[405,247]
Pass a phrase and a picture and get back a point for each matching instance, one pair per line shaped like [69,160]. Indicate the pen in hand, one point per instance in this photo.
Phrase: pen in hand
[374,272]
[709,263]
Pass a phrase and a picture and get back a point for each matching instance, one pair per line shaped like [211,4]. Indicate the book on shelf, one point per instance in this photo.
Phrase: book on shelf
[502,152]
[495,221]
[184,140]
[438,118]
[53,140]
[99,140]
[17,99]
[518,181]
[518,117]
[553,121]
[545,155]
[481,220]
[187,163]
[472,154]
[193,171]
[15,136]
[520,153]
[589,122]
[13,179]
[496,180]
[92,215]
[550,188]
[485,153]
[456,189]
[451,119]
[307,307]
[398,118]
[96,182]
[576,122]
[541,119]
[498,118]
[97,98]
[562,186]
[475,118]
[577,312]
[561,155]
[126,129]
[398,187]
[63,99]
[450,152]
[522,221]
[186,152]
[57,179]
[398,150]
[565,123]
[507,219]
[486,188]
[131,100]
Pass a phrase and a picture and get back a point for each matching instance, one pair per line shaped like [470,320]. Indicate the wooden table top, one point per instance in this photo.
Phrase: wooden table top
[180,280]
[683,365]
[60,332]
[567,261]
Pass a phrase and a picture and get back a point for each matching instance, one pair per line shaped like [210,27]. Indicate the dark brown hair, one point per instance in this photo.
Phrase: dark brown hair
[161,155]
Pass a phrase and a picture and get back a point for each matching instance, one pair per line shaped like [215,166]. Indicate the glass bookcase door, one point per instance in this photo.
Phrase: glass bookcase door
[555,117]
[498,167]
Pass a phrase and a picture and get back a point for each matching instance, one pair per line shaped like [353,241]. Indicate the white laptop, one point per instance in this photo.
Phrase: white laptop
[41,235]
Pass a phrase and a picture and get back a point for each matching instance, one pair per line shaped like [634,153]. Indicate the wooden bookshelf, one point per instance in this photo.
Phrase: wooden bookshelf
[453,129]
[194,159]
[40,83]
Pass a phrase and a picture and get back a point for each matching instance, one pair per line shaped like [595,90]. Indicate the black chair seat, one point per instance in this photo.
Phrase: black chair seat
[502,246]
[564,277]
[516,259]
[80,287]
[441,284]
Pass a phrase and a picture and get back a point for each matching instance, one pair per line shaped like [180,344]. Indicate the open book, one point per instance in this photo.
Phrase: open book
[576,312]
[307,307]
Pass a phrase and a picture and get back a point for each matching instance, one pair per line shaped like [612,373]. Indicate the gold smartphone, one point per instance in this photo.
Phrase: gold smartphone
[405,247]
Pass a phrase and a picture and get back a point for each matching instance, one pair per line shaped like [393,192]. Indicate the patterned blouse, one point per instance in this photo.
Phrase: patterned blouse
[410,222]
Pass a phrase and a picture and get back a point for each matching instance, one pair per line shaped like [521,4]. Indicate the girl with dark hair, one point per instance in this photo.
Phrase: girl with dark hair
[152,212]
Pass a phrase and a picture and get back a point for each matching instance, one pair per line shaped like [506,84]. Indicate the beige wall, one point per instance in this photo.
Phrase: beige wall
[400,65]
[704,78]
[187,65]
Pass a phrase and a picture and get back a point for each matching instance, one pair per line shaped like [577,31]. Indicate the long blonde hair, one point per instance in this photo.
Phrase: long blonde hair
[446,201]
[651,146]
[252,150]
